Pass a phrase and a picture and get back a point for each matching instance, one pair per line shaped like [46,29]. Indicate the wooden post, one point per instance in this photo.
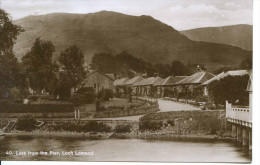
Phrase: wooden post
[244,137]
[234,130]
[78,114]
[250,140]
[75,114]
[239,134]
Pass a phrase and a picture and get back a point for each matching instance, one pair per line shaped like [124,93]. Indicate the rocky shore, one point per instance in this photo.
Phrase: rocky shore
[131,135]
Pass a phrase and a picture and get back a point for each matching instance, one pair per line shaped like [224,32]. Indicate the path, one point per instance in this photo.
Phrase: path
[165,106]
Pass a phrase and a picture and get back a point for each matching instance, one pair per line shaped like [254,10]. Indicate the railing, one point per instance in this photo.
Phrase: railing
[239,115]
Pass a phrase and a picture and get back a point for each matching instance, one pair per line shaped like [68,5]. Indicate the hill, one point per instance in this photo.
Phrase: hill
[112,32]
[235,35]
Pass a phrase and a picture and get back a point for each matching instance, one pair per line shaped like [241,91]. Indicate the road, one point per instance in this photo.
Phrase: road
[166,106]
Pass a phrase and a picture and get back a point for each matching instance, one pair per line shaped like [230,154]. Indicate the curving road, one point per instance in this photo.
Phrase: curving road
[165,106]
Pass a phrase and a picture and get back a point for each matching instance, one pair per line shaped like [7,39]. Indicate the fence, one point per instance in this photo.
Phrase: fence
[239,115]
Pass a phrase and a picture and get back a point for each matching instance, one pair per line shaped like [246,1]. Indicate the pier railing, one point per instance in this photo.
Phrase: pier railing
[239,115]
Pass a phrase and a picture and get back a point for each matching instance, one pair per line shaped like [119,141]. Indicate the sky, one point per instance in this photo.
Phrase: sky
[180,14]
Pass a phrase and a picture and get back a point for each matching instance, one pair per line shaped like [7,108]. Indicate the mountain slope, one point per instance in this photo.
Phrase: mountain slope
[235,35]
[112,32]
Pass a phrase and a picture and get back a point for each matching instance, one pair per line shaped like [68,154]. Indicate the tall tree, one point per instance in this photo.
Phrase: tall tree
[40,69]
[178,68]
[8,33]
[72,60]
[10,70]
[104,62]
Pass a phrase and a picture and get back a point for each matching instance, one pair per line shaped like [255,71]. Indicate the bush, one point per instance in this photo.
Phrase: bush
[123,128]
[63,91]
[26,123]
[171,122]
[105,94]
[230,88]
[150,125]
[89,94]
[93,126]
[78,99]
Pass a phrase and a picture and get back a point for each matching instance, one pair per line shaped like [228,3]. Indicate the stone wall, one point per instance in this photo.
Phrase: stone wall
[127,112]
[39,115]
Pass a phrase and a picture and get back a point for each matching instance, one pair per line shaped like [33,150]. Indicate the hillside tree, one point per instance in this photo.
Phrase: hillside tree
[10,69]
[41,70]
[72,61]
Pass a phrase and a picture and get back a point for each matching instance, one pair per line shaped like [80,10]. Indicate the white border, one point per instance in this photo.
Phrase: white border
[256,109]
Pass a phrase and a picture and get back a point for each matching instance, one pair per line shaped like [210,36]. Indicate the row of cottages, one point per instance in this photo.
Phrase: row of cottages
[188,86]
[168,84]
[99,80]
[223,75]
[157,87]
[146,86]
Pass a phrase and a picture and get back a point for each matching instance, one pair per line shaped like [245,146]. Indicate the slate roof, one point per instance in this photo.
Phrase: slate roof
[196,78]
[225,74]
[95,71]
[120,82]
[170,81]
[148,81]
[111,75]
[133,80]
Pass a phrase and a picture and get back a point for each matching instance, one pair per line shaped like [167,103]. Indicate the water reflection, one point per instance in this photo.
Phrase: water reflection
[121,150]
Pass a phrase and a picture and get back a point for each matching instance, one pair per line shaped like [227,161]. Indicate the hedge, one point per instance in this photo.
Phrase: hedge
[36,108]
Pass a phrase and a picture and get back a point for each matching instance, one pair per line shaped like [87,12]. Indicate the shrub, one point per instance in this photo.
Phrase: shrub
[15,94]
[63,91]
[93,126]
[26,123]
[105,94]
[171,122]
[89,94]
[78,99]
[150,125]
[231,88]
[123,128]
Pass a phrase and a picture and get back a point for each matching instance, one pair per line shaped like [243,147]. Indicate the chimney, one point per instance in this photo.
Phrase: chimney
[199,68]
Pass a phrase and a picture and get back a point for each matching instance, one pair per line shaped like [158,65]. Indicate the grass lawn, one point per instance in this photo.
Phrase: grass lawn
[113,102]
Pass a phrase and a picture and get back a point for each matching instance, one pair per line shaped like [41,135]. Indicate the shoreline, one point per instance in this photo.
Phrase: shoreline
[133,135]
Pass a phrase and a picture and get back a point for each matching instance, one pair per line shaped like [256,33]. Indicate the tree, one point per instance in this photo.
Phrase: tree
[10,69]
[104,62]
[178,68]
[39,67]
[72,60]
[163,70]
[230,88]
[8,33]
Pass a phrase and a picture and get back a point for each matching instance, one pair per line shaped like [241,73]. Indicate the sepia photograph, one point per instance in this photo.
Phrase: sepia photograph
[167,81]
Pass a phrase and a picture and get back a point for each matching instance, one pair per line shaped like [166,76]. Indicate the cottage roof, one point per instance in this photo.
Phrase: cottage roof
[120,82]
[133,80]
[111,75]
[196,78]
[148,81]
[95,71]
[169,81]
[224,74]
